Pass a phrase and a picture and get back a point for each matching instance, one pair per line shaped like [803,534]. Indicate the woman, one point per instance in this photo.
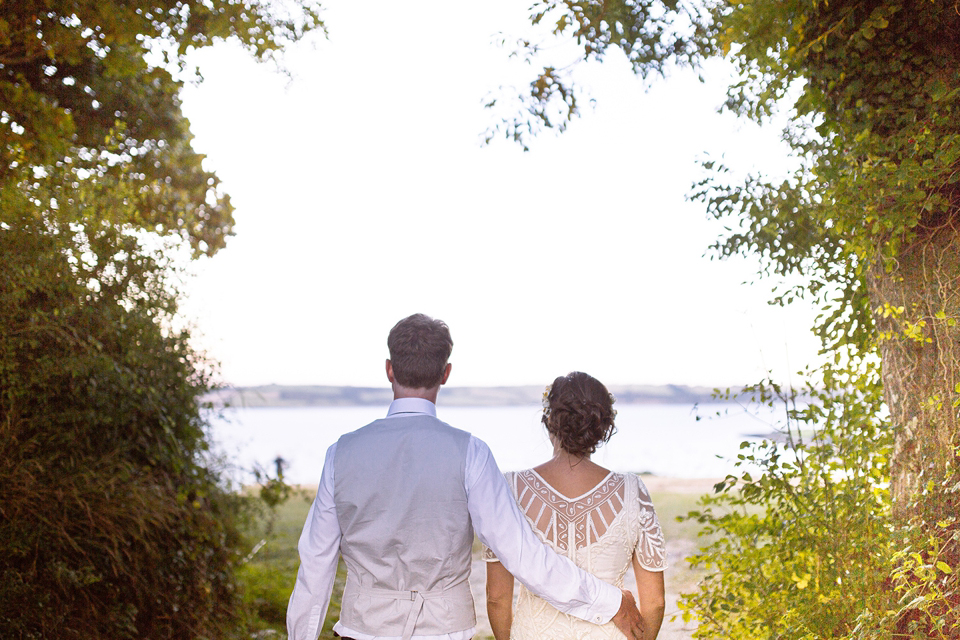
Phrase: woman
[602,521]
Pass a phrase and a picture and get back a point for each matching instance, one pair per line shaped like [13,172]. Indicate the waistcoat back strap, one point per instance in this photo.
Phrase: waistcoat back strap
[417,598]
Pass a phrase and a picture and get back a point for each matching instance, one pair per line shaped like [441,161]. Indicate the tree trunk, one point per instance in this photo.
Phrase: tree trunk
[917,305]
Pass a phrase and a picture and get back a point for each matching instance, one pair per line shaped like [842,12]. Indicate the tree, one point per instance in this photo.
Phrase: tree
[114,522]
[73,74]
[870,219]
[870,216]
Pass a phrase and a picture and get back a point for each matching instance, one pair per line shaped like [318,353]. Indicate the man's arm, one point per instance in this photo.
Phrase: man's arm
[319,549]
[501,526]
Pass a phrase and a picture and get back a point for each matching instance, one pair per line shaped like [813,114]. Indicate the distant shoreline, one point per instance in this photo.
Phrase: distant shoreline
[654,483]
[344,396]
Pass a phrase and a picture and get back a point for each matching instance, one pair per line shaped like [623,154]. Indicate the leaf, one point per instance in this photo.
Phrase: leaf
[939,90]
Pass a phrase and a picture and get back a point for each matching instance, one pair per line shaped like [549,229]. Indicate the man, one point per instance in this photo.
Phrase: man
[400,499]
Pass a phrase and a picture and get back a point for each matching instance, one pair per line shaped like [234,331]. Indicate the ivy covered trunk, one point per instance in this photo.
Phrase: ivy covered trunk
[916,301]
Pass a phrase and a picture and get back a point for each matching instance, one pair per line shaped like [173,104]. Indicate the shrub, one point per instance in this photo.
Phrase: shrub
[112,525]
[802,535]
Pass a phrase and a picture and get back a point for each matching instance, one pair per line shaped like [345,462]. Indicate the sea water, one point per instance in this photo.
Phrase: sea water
[671,440]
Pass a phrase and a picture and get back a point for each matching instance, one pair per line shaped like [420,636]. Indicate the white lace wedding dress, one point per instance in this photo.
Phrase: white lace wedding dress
[600,531]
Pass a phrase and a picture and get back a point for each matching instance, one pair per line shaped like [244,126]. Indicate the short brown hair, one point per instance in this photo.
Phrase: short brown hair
[419,349]
[578,412]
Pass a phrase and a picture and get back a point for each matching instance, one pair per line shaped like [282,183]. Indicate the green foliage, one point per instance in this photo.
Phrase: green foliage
[267,575]
[76,74]
[877,131]
[266,593]
[876,125]
[924,570]
[651,34]
[800,537]
[870,222]
[114,522]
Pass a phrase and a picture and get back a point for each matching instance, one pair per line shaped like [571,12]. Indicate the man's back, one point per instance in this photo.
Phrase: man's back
[402,508]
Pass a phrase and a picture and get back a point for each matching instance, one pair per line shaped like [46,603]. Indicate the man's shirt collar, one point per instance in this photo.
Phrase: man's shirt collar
[409,406]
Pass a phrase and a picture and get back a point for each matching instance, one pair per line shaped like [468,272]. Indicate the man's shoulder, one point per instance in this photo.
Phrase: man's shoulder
[453,429]
[383,427]
[437,427]
[367,428]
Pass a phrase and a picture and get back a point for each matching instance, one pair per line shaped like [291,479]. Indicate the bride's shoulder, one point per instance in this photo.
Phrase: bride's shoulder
[512,476]
[518,480]
[636,482]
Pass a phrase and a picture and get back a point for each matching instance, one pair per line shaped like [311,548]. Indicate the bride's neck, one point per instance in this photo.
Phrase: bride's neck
[569,474]
[568,460]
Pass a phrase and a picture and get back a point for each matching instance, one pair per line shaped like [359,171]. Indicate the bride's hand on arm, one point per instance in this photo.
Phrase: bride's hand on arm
[499,600]
[650,591]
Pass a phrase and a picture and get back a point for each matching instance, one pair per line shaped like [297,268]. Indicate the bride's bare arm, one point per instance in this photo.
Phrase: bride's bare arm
[650,599]
[499,600]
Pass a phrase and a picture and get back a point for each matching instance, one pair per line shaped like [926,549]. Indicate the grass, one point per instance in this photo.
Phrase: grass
[267,578]
[681,536]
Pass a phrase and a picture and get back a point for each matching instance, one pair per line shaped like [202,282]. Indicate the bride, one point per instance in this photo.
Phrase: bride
[603,521]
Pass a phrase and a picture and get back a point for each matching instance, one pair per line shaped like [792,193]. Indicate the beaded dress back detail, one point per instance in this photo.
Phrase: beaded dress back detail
[600,531]
[569,523]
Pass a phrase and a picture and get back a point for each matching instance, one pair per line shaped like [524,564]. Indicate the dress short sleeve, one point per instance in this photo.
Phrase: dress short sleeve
[650,550]
[486,553]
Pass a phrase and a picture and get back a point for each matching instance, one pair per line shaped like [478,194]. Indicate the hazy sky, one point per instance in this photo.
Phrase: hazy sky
[363,194]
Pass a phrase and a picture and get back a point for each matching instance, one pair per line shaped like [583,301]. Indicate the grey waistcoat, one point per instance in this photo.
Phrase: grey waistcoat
[407,537]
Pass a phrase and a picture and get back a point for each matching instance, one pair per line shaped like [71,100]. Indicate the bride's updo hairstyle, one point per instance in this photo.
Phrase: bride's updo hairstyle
[578,412]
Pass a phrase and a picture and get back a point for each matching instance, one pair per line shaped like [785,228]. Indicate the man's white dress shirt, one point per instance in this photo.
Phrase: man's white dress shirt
[496,519]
